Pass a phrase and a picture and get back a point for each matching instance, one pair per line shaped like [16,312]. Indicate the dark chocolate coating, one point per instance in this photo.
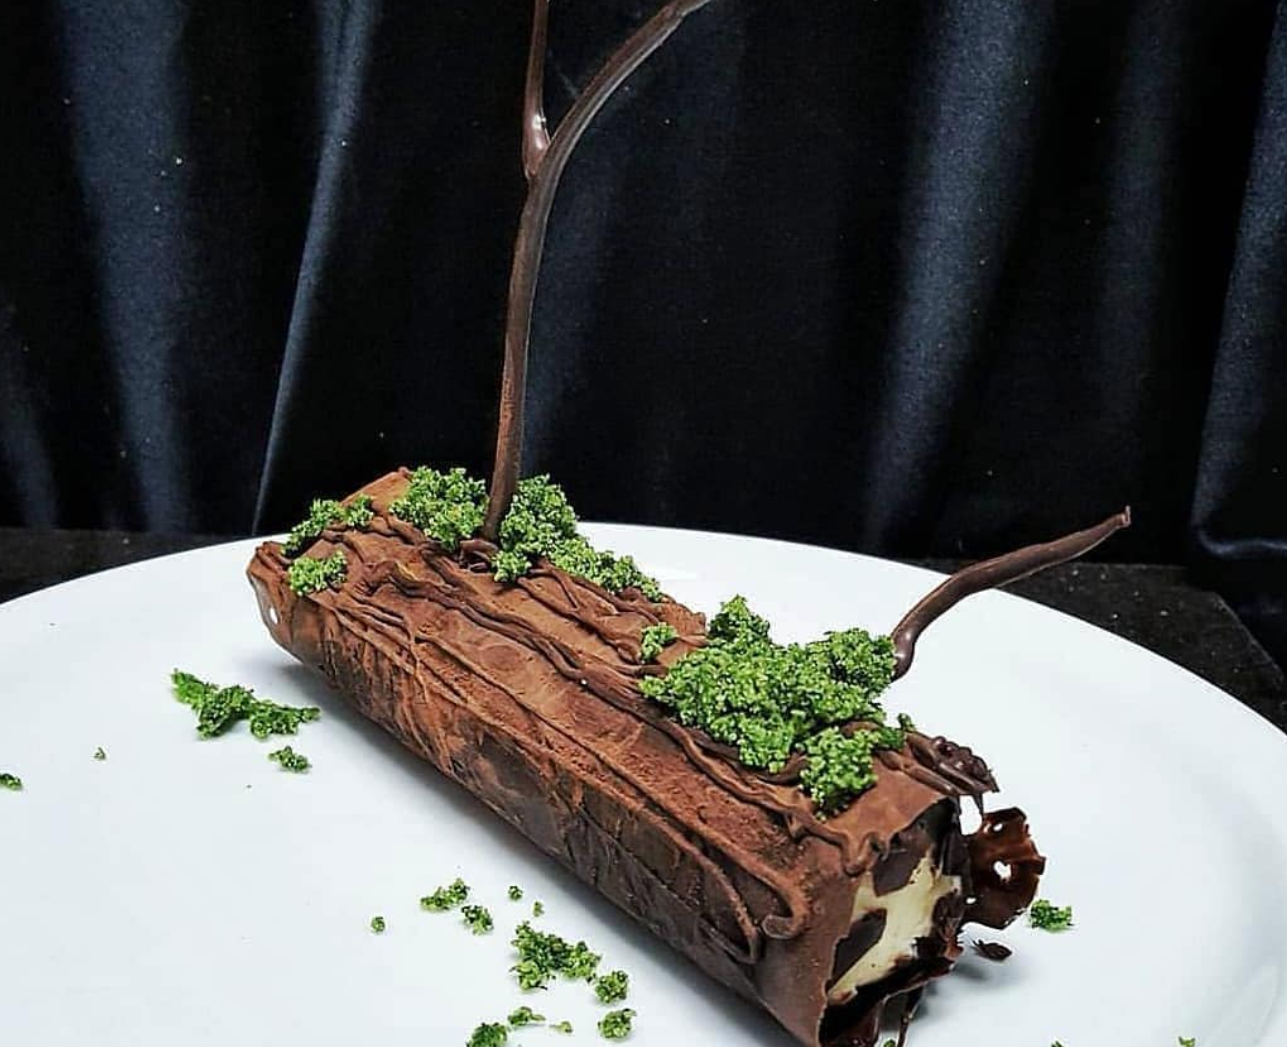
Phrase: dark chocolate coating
[527,695]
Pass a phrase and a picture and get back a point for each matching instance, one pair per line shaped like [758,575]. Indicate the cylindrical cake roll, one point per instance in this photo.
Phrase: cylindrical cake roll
[527,695]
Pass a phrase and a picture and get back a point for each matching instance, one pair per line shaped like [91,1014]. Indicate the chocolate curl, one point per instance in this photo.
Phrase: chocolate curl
[544,158]
[991,574]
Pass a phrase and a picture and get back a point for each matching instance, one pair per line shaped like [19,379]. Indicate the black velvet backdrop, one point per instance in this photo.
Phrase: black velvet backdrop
[905,277]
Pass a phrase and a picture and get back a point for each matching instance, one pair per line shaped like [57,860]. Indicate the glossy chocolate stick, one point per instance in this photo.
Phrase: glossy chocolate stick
[544,158]
[990,574]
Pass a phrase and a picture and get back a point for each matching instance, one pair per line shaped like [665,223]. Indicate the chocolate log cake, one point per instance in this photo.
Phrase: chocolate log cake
[746,802]
[527,693]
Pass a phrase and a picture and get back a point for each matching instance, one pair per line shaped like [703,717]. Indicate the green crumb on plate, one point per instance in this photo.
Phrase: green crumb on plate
[444,898]
[377,924]
[538,910]
[524,1016]
[564,1027]
[541,956]
[612,987]
[290,760]
[1048,917]
[488,1034]
[615,1025]
[515,893]
[11,782]
[477,919]
[1188,1041]
[99,754]
[581,963]
[220,708]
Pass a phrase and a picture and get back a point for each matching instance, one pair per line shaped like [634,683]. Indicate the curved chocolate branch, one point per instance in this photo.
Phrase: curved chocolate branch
[990,574]
[544,158]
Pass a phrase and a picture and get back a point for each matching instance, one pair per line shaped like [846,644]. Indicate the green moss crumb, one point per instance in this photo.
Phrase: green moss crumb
[324,513]
[564,1027]
[524,1015]
[735,621]
[377,924]
[515,893]
[100,754]
[444,898]
[449,507]
[220,708]
[581,963]
[477,918]
[772,701]
[542,956]
[538,910]
[616,1025]
[1046,916]
[1187,1041]
[11,782]
[654,639]
[290,760]
[839,767]
[612,987]
[310,575]
[488,1034]
[541,523]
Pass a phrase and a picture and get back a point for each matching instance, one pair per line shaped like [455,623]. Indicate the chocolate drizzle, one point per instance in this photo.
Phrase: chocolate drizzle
[990,574]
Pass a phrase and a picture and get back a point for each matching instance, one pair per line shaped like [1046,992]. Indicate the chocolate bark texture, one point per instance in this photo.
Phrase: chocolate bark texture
[527,695]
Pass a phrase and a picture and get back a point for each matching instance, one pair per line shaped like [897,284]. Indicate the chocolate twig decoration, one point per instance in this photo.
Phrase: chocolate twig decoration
[990,574]
[536,138]
[544,158]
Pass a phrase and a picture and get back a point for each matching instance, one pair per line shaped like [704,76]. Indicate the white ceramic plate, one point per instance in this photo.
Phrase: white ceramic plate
[188,892]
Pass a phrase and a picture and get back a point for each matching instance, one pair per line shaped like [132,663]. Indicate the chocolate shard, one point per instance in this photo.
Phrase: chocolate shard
[994,951]
[1005,869]
[527,695]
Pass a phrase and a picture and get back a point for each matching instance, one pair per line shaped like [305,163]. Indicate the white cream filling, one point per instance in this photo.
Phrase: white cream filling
[909,914]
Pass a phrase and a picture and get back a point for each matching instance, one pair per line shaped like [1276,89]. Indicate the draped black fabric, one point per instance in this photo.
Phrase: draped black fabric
[905,277]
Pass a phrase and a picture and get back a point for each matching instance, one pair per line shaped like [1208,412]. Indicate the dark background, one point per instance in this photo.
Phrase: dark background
[905,277]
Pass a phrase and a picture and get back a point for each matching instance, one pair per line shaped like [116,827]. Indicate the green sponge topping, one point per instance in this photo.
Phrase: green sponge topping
[324,513]
[772,702]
